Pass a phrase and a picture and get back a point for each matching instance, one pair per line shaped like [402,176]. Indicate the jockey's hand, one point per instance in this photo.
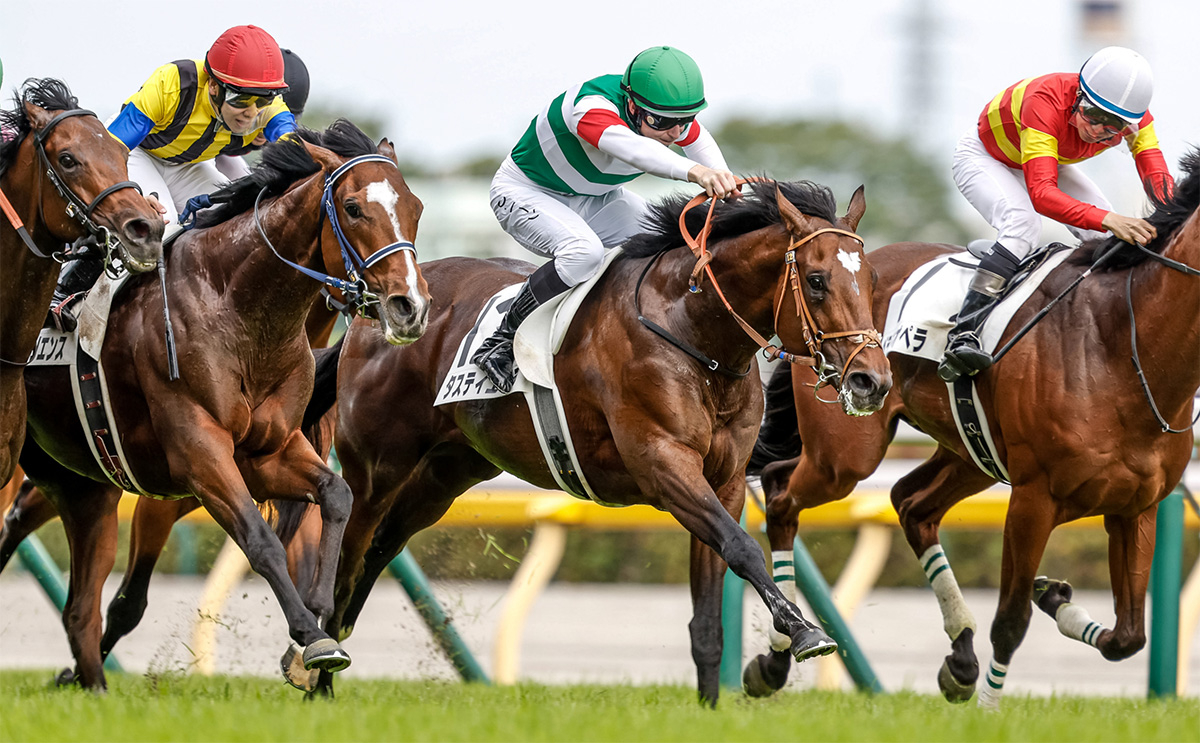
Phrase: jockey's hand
[152,197]
[1130,229]
[718,183]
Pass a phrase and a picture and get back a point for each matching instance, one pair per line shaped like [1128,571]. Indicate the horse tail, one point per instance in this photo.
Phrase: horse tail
[779,436]
[324,385]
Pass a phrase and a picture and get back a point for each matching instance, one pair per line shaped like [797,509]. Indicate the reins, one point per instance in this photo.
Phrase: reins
[814,337]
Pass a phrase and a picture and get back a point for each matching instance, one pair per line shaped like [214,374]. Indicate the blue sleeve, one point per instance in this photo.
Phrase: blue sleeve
[279,125]
[131,126]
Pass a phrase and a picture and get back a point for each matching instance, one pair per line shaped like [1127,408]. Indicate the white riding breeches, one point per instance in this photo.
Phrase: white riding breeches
[998,192]
[574,230]
[174,184]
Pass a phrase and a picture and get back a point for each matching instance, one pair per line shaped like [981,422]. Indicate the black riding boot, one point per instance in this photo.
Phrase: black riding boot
[963,352]
[74,280]
[495,355]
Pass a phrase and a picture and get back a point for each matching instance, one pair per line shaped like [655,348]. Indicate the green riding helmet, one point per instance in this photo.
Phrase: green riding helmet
[665,81]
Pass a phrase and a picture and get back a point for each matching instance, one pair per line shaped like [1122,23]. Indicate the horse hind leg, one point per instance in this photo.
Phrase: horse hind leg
[149,531]
[30,510]
[922,498]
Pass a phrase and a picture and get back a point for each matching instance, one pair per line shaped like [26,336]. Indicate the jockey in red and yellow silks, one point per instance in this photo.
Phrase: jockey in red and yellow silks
[1018,164]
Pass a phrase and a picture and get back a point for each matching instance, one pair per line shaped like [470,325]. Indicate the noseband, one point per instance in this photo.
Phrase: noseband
[354,287]
[76,209]
[814,337]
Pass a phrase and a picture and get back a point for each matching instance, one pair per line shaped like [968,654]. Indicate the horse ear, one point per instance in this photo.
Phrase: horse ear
[387,150]
[796,222]
[38,116]
[858,207]
[323,157]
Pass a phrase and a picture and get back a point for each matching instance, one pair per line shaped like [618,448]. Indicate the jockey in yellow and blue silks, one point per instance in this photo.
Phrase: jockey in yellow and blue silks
[190,111]
[187,125]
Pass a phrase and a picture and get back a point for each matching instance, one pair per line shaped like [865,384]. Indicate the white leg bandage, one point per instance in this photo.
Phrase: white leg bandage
[993,685]
[1074,622]
[784,570]
[955,615]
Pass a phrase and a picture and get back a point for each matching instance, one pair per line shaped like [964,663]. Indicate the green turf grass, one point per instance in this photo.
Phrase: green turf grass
[191,708]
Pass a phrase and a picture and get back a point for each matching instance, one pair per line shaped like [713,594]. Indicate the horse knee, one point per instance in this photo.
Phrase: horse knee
[707,641]
[1119,645]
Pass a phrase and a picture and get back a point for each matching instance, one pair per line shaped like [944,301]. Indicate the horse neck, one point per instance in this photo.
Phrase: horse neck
[1166,303]
[748,269]
[28,279]
[258,282]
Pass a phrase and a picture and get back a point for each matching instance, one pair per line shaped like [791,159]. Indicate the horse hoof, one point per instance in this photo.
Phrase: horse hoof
[764,675]
[1050,594]
[811,642]
[953,690]
[326,655]
[65,677]
[294,672]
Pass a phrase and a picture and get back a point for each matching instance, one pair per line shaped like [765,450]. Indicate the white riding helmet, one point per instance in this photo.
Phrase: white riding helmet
[1119,81]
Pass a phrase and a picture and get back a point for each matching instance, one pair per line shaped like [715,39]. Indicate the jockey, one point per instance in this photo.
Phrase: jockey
[187,126]
[1018,164]
[559,193]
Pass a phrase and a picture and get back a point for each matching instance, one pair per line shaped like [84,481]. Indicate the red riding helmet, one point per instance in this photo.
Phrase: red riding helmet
[248,59]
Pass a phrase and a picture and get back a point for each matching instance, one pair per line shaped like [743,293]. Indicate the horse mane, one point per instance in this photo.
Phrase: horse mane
[730,217]
[1168,216]
[44,92]
[283,163]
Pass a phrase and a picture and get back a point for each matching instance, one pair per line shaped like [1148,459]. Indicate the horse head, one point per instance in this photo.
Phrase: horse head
[91,192]
[831,284]
[373,218]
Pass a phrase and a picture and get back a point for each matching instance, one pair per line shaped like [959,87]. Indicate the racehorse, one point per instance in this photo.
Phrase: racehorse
[66,179]
[227,429]
[650,424]
[1081,431]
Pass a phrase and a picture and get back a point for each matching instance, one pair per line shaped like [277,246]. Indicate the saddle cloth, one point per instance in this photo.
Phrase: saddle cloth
[537,340]
[918,318]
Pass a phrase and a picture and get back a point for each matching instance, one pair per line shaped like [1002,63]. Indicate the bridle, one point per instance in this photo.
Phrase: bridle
[814,337]
[75,208]
[354,288]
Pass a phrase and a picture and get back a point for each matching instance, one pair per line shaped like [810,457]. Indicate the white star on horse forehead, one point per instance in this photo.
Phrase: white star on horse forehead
[852,261]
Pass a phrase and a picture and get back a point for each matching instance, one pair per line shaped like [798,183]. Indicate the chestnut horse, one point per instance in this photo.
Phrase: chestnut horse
[650,424]
[66,179]
[1080,430]
[227,430]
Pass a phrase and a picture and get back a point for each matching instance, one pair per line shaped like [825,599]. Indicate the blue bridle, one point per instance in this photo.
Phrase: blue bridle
[354,287]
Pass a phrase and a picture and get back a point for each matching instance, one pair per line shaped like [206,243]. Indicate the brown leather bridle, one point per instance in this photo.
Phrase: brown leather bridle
[814,337]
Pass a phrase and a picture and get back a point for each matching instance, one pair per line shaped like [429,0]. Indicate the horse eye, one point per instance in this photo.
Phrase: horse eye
[352,210]
[816,282]
[67,160]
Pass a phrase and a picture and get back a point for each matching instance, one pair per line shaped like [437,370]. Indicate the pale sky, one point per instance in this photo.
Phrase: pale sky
[456,79]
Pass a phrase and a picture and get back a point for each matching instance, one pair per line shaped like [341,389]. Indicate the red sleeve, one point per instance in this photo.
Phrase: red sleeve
[1041,178]
[691,135]
[594,122]
[1156,178]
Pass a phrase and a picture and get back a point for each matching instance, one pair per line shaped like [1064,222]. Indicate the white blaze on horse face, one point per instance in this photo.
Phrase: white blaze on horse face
[852,262]
[382,193]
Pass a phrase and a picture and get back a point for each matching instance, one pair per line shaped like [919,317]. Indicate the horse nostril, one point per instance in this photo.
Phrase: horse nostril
[862,383]
[137,230]
[400,305]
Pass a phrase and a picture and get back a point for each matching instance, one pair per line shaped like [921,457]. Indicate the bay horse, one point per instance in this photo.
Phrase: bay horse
[66,179]
[227,429]
[1081,431]
[650,424]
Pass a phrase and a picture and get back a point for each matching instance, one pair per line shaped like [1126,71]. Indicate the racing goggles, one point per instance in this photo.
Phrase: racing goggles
[1095,116]
[660,123]
[239,99]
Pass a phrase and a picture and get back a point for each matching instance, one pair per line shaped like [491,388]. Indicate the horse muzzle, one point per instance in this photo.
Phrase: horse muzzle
[403,319]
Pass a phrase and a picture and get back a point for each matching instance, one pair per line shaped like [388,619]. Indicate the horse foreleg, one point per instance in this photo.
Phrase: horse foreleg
[30,509]
[1130,552]
[149,531]
[922,498]
[707,580]
[1026,531]
[216,481]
